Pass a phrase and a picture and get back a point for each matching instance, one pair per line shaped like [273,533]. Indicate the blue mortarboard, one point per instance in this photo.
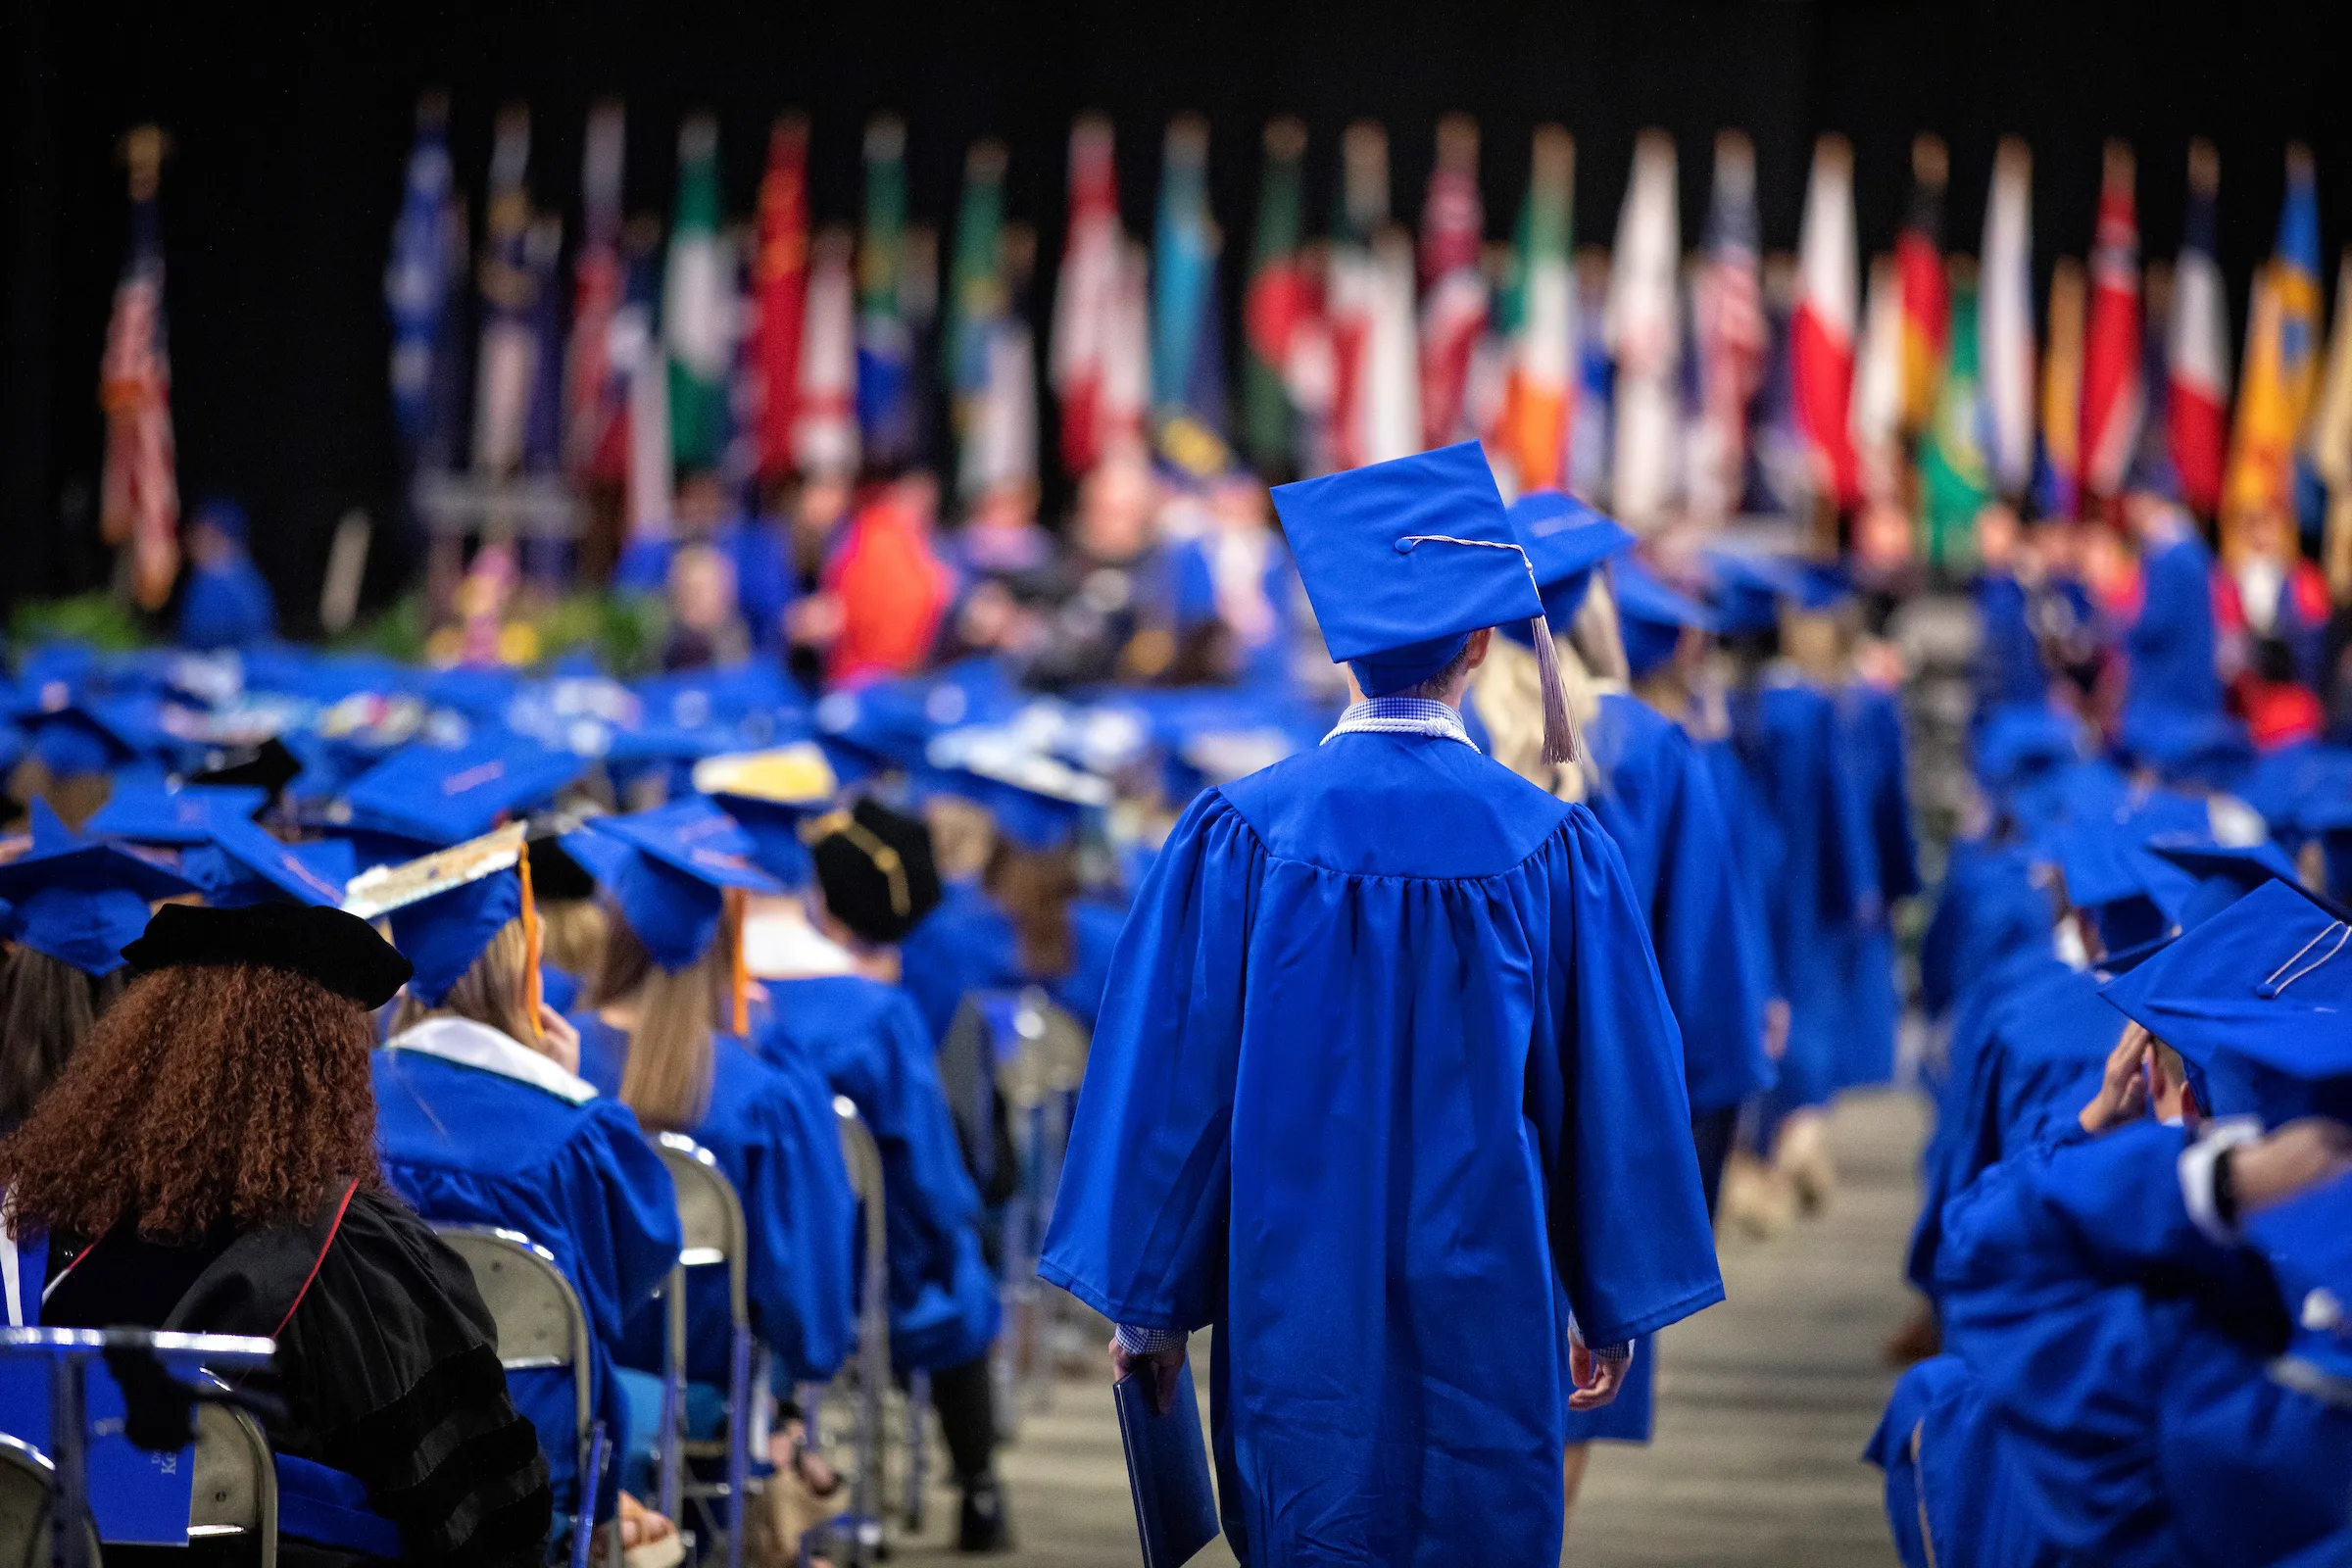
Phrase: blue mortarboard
[2020,742]
[1566,541]
[1750,588]
[2187,746]
[2264,989]
[2134,897]
[446,907]
[2307,1241]
[315,872]
[1651,616]
[667,870]
[95,734]
[1403,560]
[1037,800]
[151,813]
[448,796]
[2225,873]
[222,513]
[770,794]
[78,900]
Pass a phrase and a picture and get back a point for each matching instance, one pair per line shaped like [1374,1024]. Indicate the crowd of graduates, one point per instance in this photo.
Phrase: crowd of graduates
[2131,1234]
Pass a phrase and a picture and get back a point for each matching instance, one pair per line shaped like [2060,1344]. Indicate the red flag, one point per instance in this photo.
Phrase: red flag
[2196,406]
[1821,347]
[139,491]
[779,292]
[591,410]
[2112,394]
[1926,300]
[1087,304]
[1454,309]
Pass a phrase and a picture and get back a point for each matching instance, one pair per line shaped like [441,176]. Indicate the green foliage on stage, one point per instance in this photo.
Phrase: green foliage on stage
[397,631]
[623,630]
[102,621]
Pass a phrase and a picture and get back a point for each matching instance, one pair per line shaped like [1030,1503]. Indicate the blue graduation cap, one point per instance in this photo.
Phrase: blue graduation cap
[1037,800]
[265,869]
[2263,992]
[94,734]
[2223,873]
[439,797]
[1403,560]
[669,869]
[1566,542]
[1750,588]
[2307,1241]
[81,901]
[770,795]
[154,813]
[446,907]
[1653,616]
[2018,742]
[2187,746]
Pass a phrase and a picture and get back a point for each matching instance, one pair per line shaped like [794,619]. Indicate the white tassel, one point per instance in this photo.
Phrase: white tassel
[1562,745]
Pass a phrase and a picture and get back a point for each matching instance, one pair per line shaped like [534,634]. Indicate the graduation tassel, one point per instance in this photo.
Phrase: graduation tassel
[532,997]
[1561,743]
[738,975]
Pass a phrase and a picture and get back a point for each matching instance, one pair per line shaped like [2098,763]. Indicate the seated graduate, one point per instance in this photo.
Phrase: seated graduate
[833,1008]
[483,1121]
[1028,920]
[665,1029]
[2154,1311]
[74,903]
[206,1163]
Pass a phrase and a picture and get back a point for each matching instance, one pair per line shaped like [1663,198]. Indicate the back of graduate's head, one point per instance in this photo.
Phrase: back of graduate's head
[495,988]
[666,1079]
[229,1085]
[47,1008]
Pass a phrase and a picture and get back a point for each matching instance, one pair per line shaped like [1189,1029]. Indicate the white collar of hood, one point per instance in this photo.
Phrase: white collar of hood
[477,1045]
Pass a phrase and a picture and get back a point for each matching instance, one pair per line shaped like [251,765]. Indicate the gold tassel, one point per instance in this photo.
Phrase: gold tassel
[1561,743]
[738,976]
[532,997]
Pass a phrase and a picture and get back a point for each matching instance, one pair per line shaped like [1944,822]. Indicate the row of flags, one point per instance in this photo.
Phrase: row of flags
[1664,381]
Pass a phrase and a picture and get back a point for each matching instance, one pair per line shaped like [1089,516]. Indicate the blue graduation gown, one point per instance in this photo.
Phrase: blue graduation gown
[2009,667]
[869,1042]
[1385,1084]
[968,944]
[764,581]
[1657,802]
[2127,1355]
[772,1130]
[465,1146]
[1948,1500]
[1789,740]
[226,605]
[1870,731]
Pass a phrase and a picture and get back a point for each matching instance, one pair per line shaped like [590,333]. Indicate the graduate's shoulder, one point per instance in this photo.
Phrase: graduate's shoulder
[829,1005]
[1396,806]
[435,1112]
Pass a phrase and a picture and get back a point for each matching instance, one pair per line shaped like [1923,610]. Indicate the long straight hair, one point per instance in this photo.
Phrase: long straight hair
[666,1079]
[494,991]
[47,1011]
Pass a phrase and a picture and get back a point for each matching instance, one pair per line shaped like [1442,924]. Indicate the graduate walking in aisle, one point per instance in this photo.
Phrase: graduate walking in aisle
[1386,1087]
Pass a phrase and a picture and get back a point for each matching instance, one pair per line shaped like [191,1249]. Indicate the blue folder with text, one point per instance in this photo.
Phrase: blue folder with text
[1167,1471]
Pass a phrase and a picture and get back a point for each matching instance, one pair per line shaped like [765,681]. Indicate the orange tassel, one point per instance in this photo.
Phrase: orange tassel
[739,980]
[532,998]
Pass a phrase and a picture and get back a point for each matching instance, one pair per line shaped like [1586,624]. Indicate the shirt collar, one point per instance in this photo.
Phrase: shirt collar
[477,1045]
[1403,715]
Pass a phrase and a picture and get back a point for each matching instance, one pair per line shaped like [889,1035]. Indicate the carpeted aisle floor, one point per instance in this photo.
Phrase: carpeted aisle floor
[1764,1405]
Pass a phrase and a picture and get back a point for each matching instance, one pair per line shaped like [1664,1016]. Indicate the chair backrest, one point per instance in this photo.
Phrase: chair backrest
[25,1474]
[709,1216]
[234,1487]
[540,1320]
[865,1160]
[1047,1054]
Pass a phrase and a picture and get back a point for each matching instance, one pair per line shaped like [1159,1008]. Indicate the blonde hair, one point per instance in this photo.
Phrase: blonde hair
[495,990]
[572,933]
[667,1078]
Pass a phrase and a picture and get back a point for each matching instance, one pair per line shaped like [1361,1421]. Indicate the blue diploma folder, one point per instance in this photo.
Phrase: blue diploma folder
[1167,1471]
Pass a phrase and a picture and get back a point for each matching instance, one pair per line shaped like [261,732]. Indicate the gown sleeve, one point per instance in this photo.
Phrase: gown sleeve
[1139,1227]
[624,1218]
[392,1376]
[1630,1234]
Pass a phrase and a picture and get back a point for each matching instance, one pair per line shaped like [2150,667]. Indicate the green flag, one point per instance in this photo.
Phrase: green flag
[697,304]
[1954,480]
[1271,309]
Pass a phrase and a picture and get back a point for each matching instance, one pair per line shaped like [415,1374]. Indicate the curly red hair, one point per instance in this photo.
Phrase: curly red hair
[206,1095]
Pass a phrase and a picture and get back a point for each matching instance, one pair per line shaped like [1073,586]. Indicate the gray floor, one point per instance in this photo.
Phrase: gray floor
[1764,1405]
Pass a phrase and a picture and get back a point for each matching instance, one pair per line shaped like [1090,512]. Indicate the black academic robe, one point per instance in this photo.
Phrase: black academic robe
[387,1361]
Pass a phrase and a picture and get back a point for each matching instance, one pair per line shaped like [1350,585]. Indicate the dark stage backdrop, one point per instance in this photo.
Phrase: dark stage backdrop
[290,130]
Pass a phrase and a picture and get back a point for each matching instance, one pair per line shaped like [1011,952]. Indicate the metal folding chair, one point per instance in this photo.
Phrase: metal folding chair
[235,1481]
[870,1488]
[541,1324]
[711,1219]
[1041,1061]
[27,1480]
